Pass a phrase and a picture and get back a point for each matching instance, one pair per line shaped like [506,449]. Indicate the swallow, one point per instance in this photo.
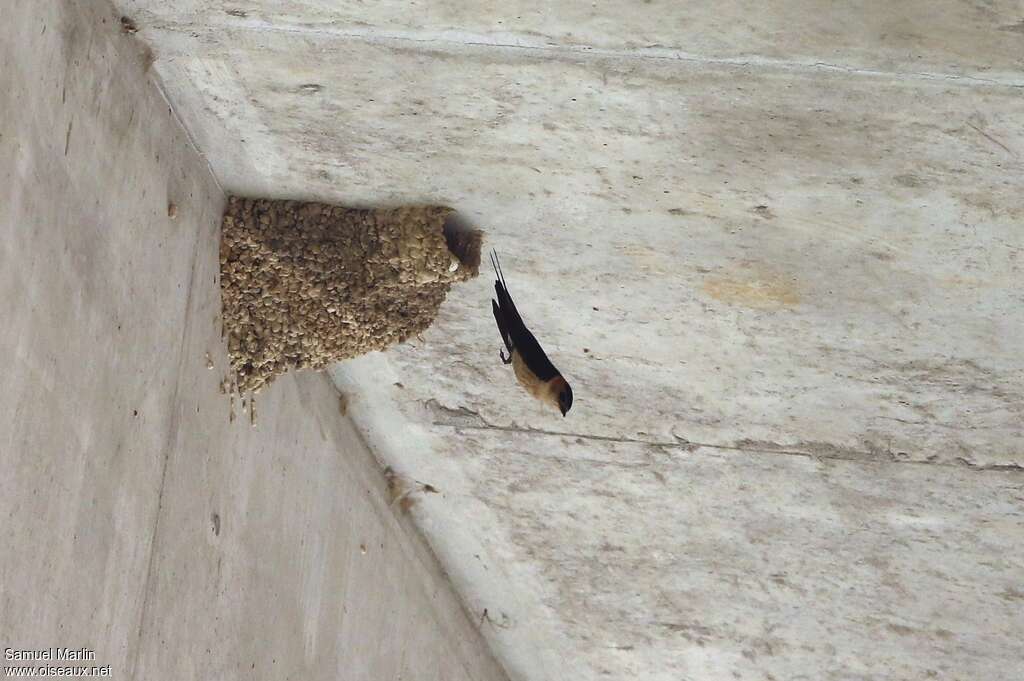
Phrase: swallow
[531,365]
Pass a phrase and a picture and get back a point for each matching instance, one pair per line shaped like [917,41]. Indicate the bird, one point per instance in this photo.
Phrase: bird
[533,370]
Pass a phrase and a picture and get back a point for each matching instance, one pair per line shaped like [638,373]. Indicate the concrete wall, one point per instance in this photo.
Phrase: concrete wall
[137,518]
[775,248]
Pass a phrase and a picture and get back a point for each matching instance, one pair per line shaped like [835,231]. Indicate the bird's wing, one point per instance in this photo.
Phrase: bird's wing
[513,322]
[514,331]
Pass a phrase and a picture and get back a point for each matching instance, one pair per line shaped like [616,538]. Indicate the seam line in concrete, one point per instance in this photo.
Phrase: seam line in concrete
[655,53]
[416,547]
[158,82]
[690,445]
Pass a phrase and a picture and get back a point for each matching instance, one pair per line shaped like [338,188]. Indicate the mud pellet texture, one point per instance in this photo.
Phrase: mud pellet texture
[305,285]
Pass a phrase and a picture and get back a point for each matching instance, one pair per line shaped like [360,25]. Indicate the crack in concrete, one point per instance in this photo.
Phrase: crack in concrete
[992,139]
[462,418]
[651,52]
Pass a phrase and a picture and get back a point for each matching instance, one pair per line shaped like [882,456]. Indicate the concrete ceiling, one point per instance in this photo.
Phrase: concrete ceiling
[778,253]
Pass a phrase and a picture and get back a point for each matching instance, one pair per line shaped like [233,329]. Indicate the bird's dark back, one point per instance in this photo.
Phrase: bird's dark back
[533,354]
[523,341]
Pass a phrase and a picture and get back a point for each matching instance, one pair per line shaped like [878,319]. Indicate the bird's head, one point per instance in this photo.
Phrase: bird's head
[564,395]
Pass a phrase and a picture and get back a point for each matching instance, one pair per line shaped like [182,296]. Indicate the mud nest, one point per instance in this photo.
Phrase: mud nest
[304,285]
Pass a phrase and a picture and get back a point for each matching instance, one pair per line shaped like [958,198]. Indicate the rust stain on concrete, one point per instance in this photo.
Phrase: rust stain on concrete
[759,292]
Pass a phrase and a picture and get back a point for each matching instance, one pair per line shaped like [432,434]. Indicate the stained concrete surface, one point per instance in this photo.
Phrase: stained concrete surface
[777,252]
[138,519]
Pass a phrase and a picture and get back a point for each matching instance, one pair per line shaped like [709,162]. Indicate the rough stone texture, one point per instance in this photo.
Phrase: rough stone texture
[776,250]
[305,285]
[135,519]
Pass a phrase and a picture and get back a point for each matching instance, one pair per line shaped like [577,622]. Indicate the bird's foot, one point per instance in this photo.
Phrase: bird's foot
[504,359]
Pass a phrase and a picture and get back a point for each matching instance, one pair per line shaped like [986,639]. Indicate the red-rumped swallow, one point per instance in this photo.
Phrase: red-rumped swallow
[532,368]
